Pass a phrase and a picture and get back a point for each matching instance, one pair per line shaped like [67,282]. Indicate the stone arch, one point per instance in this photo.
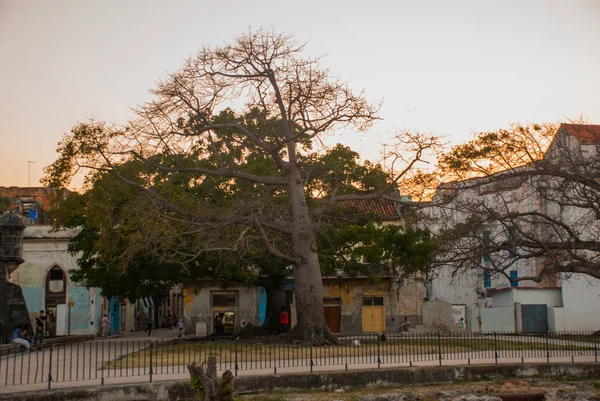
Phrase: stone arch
[55,285]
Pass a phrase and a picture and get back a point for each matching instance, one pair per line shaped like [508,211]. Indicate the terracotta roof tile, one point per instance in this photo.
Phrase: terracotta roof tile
[383,208]
[582,132]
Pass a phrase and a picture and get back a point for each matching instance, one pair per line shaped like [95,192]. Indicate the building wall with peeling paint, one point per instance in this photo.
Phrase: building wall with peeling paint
[43,249]
[398,300]
[198,304]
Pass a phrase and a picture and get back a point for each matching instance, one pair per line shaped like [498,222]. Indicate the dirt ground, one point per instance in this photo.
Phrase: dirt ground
[554,390]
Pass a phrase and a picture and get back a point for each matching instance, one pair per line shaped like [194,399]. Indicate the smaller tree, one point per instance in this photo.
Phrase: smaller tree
[522,199]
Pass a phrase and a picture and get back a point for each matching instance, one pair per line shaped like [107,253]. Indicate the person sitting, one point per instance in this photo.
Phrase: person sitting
[405,324]
[19,337]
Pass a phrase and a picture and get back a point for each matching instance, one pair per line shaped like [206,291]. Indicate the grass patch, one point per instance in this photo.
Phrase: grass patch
[256,355]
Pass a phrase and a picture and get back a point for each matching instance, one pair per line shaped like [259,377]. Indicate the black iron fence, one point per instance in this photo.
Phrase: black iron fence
[146,359]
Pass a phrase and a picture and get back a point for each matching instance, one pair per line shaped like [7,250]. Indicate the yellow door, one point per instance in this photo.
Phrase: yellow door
[373,319]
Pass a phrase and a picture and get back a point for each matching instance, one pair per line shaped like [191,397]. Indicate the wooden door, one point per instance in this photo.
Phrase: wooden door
[332,317]
[373,314]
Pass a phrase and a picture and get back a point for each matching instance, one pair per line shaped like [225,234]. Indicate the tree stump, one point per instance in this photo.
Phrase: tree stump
[206,374]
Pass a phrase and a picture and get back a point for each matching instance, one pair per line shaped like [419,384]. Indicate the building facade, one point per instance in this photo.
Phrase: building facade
[525,206]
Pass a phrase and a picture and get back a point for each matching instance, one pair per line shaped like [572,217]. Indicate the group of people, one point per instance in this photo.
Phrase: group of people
[22,334]
[170,322]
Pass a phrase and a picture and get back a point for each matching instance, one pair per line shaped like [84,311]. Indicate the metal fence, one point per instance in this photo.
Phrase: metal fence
[144,360]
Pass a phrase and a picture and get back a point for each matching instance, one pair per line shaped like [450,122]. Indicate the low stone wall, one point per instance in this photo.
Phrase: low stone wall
[49,342]
[180,390]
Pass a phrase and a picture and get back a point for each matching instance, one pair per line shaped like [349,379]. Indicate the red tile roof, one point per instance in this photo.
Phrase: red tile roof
[582,132]
[383,208]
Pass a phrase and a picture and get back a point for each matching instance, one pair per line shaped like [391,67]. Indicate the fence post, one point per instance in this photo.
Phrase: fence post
[595,346]
[311,354]
[49,369]
[235,366]
[547,349]
[102,367]
[151,346]
[496,347]
[379,339]
[439,341]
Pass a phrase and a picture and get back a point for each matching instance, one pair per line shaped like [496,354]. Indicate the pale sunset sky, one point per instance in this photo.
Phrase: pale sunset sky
[445,67]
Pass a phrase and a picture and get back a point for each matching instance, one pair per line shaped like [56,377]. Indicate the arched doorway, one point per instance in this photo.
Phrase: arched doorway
[56,294]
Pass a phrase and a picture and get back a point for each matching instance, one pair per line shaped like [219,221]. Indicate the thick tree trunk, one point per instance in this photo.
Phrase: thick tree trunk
[274,286]
[307,272]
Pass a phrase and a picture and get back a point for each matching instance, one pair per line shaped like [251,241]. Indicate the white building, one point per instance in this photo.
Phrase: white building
[526,208]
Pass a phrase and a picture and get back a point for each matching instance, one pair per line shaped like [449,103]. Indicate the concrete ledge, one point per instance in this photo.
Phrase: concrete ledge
[48,342]
[180,390]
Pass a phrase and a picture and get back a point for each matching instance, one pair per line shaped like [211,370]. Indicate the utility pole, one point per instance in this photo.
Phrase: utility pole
[29,173]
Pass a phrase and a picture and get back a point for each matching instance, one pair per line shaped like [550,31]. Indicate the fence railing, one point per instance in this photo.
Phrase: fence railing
[143,360]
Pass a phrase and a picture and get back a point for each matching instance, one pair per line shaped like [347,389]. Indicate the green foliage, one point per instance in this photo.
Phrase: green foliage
[370,249]
[490,152]
[130,244]
[196,385]
[4,203]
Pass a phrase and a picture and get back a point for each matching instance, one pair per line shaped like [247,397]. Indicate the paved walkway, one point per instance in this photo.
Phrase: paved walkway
[156,334]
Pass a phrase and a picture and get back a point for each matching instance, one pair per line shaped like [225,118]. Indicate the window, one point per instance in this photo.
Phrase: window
[56,280]
[487,279]
[224,300]
[373,301]
[56,273]
[514,274]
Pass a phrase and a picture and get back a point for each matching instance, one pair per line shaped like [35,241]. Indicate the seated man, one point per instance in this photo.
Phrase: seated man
[404,325]
[19,338]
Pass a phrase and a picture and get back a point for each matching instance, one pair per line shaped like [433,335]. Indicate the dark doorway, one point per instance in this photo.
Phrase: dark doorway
[534,318]
[56,294]
[332,313]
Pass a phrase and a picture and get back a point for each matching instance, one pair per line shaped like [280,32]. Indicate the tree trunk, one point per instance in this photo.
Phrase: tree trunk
[274,286]
[307,272]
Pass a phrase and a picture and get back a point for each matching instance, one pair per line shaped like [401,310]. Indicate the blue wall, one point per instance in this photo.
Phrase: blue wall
[114,316]
[262,305]
[33,298]
[80,296]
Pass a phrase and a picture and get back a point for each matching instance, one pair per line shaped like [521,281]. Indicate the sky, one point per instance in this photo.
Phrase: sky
[443,67]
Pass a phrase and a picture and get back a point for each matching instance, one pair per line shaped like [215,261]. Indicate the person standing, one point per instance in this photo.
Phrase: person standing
[149,326]
[405,324]
[170,321]
[105,326]
[284,320]
[40,327]
[180,325]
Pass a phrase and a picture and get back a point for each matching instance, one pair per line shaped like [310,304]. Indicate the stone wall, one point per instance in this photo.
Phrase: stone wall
[180,390]
[437,315]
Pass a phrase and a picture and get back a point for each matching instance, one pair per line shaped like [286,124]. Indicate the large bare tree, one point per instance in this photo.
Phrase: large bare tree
[526,199]
[240,115]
